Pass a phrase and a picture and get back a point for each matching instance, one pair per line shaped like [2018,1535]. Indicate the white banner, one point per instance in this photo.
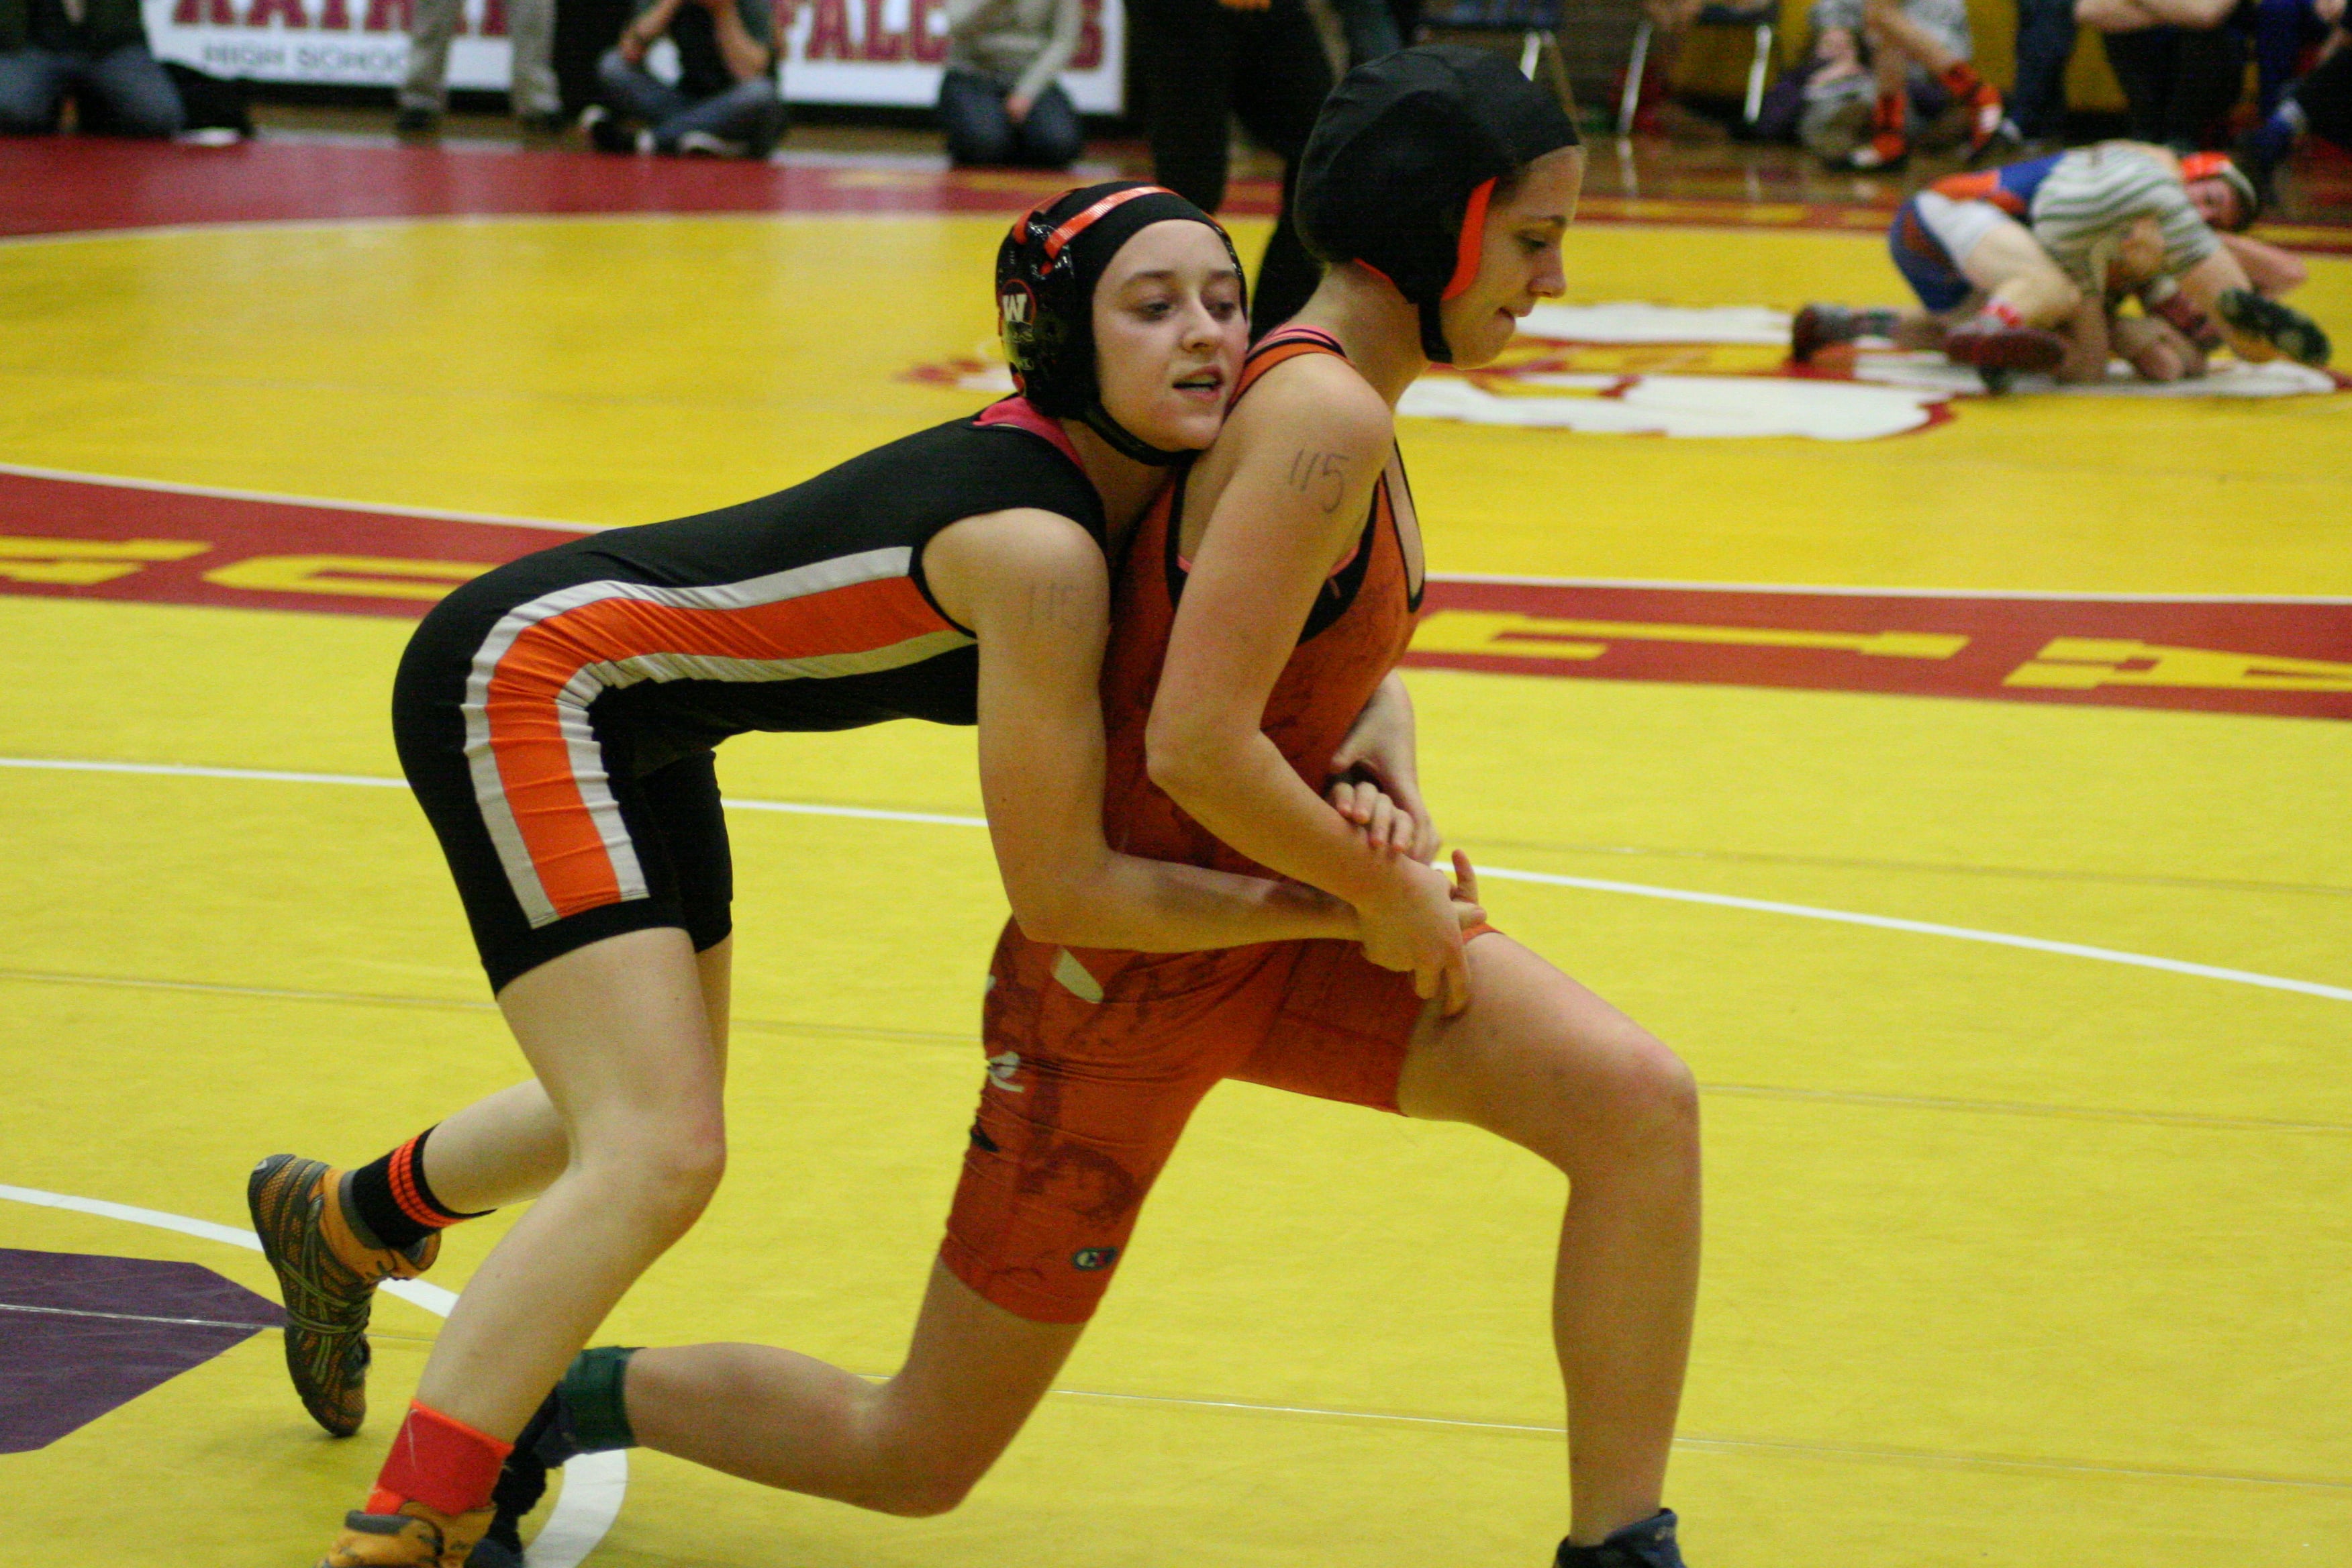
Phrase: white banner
[350,43]
[888,51]
[835,51]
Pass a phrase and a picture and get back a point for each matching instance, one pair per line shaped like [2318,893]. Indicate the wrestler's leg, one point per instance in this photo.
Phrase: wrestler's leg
[2009,265]
[619,1036]
[1087,1092]
[1545,1063]
[1892,27]
[913,1446]
[508,1146]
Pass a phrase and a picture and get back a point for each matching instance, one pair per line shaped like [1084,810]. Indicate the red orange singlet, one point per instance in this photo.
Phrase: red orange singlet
[1097,1059]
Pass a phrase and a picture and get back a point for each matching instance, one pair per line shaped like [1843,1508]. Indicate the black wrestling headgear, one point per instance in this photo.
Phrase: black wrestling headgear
[1403,160]
[1046,270]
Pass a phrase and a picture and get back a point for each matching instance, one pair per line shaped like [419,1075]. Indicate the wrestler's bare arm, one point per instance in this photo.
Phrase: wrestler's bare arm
[2271,271]
[1032,588]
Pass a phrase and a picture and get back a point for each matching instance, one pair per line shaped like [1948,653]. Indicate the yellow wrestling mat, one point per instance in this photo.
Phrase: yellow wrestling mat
[2021,1254]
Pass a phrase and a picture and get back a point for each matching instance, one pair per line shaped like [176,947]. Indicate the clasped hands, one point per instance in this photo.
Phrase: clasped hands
[1414,923]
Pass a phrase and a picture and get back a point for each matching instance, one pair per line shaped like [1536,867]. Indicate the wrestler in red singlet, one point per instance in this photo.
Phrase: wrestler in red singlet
[1097,1059]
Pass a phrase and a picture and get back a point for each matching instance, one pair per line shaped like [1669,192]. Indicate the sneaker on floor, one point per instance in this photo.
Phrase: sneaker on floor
[1987,344]
[607,132]
[1649,1545]
[1882,154]
[1990,126]
[327,1275]
[415,1537]
[702,144]
[2282,326]
[2005,143]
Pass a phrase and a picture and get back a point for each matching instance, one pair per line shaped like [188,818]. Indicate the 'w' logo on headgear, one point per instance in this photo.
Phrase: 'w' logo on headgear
[1014,304]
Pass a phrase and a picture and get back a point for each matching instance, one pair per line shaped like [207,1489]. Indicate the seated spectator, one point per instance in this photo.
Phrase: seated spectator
[999,100]
[94,49]
[1916,50]
[1825,101]
[2320,104]
[725,102]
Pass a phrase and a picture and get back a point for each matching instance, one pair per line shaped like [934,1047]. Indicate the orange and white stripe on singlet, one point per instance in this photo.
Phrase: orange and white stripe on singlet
[538,768]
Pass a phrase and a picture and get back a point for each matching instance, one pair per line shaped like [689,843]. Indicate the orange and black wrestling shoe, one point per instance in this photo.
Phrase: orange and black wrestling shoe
[415,1537]
[328,1274]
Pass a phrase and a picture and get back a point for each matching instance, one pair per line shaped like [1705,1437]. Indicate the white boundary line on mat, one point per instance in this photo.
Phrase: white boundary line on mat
[1500,874]
[593,1484]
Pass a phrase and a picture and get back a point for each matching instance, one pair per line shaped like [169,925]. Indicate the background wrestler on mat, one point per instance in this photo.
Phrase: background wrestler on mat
[2017,268]
[621,1006]
[1443,170]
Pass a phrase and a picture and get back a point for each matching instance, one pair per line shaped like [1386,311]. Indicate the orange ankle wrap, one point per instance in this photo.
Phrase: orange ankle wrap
[439,1461]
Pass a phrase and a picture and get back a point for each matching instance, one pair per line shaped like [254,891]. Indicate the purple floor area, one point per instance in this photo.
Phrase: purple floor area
[82,1335]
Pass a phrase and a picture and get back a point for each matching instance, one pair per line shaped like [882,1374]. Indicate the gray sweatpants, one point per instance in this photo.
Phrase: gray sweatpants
[530,29]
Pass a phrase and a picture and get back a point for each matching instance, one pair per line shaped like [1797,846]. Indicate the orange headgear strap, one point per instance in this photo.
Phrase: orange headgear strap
[1472,243]
[1023,221]
[1055,241]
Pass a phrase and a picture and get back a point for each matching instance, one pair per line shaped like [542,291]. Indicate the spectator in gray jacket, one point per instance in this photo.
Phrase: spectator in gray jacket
[999,100]
[95,49]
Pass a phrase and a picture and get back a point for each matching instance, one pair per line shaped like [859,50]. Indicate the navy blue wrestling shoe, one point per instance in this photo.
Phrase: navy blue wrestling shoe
[543,1445]
[1649,1545]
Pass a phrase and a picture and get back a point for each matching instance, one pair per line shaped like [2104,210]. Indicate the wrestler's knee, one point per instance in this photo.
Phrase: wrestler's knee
[665,1171]
[1654,1097]
[1617,1089]
[923,1486]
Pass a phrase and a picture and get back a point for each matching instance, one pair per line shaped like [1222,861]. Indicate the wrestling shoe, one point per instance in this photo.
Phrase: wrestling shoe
[1649,1545]
[2283,327]
[327,1275]
[1817,327]
[415,1537]
[544,1443]
[1986,344]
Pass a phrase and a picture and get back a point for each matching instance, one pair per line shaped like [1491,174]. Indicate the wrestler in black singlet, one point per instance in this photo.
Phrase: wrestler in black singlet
[555,716]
